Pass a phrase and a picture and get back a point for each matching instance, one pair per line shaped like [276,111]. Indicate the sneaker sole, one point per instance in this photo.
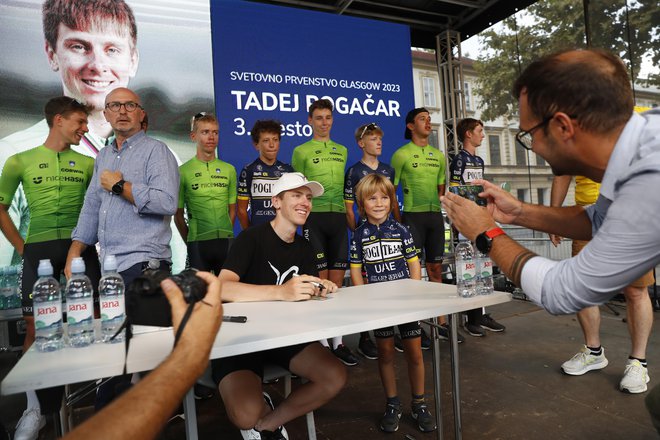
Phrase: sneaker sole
[496,330]
[365,355]
[422,429]
[587,369]
[400,350]
[641,389]
[476,335]
[347,363]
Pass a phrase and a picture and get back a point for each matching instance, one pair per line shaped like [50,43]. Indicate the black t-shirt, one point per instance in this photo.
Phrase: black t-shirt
[260,256]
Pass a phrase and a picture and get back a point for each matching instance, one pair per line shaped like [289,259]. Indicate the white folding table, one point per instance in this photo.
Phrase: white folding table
[269,325]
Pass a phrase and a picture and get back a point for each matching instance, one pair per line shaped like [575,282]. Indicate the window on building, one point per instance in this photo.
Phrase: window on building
[543,196]
[540,161]
[523,194]
[494,149]
[521,155]
[428,86]
[468,96]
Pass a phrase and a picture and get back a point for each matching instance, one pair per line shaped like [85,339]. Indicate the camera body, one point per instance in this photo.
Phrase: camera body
[146,304]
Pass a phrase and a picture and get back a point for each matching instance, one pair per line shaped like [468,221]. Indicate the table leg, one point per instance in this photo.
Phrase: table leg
[436,376]
[191,415]
[453,324]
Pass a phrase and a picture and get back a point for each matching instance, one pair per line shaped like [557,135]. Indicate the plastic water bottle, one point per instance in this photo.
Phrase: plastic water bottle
[484,274]
[47,309]
[79,306]
[465,269]
[5,292]
[15,283]
[111,296]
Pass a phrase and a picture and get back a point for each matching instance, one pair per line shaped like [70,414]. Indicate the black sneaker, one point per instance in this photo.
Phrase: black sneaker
[398,343]
[272,435]
[279,434]
[390,420]
[474,329]
[367,348]
[424,418]
[345,355]
[203,392]
[443,333]
[490,324]
[426,341]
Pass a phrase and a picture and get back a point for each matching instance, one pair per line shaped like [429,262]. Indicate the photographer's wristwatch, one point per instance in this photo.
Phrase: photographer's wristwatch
[484,241]
[118,187]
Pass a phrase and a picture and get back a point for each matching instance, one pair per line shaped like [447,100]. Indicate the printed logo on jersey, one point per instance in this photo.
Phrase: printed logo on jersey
[72,163]
[37,180]
[261,188]
[259,168]
[383,250]
[198,174]
[315,160]
[43,165]
[279,278]
[317,152]
[217,170]
[195,186]
[243,174]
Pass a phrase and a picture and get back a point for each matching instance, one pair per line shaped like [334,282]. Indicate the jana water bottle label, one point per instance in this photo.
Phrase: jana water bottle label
[112,308]
[47,314]
[77,311]
[487,268]
[466,270]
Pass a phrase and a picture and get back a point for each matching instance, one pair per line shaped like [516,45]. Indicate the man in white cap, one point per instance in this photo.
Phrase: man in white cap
[270,262]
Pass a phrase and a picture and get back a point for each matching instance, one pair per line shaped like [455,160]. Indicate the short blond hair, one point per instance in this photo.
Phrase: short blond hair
[370,185]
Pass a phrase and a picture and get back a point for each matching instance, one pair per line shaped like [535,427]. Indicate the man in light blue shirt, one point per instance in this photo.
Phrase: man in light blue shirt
[576,111]
[132,196]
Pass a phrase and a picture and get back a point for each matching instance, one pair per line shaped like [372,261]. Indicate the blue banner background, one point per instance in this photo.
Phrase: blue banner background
[364,66]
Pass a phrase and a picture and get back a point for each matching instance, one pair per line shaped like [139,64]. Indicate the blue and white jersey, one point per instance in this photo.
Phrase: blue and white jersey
[465,168]
[255,184]
[383,250]
[356,172]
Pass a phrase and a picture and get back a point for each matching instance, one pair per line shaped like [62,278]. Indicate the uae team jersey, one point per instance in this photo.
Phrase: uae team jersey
[255,184]
[325,163]
[54,185]
[383,250]
[358,171]
[206,190]
[465,168]
[420,170]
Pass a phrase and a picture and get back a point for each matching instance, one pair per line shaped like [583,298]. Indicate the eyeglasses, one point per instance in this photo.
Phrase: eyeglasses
[129,106]
[368,127]
[525,138]
[196,118]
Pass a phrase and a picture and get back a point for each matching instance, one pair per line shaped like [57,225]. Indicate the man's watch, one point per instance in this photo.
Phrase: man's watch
[118,187]
[484,241]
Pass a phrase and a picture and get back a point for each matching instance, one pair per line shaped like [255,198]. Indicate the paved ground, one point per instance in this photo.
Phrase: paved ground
[511,388]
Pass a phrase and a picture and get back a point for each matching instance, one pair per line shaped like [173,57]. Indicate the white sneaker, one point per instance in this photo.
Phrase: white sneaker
[584,361]
[253,434]
[635,377]
[29,425]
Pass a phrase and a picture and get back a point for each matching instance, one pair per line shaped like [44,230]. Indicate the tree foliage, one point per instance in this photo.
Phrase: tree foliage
[552,25]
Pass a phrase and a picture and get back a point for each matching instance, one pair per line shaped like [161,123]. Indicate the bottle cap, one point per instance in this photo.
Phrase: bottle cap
[45,269]
[77,265]
[110,263]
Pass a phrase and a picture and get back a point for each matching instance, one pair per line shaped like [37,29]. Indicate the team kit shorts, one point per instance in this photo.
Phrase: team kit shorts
[428,231]
[328,235]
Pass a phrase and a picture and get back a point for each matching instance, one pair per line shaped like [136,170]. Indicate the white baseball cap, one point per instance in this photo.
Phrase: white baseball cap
[290,181]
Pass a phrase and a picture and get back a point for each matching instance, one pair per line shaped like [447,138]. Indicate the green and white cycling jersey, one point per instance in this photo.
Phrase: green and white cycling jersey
[325,163]
[206,190]
[420,170]
[54,184]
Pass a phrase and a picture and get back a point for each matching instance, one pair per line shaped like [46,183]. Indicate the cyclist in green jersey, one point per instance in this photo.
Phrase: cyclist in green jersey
[54,180]
[208,193]
[420,170]
[323,160]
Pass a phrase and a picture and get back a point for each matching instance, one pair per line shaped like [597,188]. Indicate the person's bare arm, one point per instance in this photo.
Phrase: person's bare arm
[75,250]
[181,225]
[9,230]
[558,193]
[232,213]
[142,411]
[415,268]
[242,213]
[298,288]
[356,276]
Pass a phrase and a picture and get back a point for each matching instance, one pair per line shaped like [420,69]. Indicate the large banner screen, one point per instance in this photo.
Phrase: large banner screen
[271,62]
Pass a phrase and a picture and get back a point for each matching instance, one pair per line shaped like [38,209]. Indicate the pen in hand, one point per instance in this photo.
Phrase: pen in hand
[241,319]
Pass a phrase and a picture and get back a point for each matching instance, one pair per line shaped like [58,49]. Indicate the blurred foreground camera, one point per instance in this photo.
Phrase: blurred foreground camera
[146,304]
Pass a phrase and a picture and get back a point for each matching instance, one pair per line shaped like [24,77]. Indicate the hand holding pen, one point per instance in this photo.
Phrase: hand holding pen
[304,287]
